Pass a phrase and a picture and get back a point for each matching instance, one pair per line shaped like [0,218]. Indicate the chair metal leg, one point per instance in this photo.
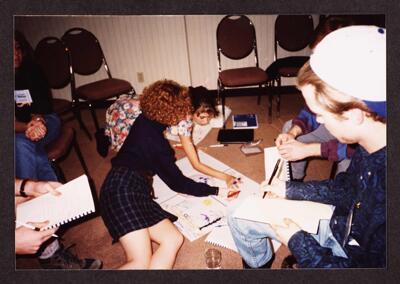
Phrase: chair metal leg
[79,154]
[278,105]
[270,96]
[259,96]
[78,115]
[93,112]
[223,110]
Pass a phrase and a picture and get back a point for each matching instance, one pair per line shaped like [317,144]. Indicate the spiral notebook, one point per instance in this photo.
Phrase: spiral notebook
[75,201]
[271,155]
[306,214]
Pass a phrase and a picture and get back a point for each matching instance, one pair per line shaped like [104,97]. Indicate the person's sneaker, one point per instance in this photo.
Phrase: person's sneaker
[265,266]
[290,262]
[102,142]
[64,259]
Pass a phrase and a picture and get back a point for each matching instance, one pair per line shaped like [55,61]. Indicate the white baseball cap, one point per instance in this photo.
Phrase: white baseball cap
[353,61]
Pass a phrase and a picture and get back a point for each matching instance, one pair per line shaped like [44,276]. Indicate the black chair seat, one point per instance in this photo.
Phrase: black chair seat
[286,67]
[243,77]
[103,89]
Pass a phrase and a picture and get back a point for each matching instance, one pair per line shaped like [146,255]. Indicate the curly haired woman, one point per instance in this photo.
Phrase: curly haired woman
[129,212]
[123,113]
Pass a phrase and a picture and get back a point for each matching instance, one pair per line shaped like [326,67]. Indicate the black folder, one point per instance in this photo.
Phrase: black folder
[228,136]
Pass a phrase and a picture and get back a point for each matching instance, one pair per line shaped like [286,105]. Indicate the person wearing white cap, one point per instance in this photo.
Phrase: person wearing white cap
[344,84]
[303,137]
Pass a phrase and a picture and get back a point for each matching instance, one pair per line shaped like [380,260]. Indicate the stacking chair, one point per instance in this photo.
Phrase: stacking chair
[292,33]
[59,149]
[87,58]
[236,39]
[53,57]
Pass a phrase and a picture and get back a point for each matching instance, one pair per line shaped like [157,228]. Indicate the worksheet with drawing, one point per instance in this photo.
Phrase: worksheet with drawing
[198,216]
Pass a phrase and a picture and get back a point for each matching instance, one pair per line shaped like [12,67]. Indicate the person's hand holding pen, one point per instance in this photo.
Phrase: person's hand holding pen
[283,138]
[28,241]
[232,182]
[277,188]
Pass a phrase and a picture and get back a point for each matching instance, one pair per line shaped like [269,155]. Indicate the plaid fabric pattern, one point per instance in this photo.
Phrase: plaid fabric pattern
[126,203]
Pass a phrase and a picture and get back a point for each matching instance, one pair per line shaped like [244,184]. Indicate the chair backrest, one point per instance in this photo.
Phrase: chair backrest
[293,32]
[236,37]
[53,57]
[86,53]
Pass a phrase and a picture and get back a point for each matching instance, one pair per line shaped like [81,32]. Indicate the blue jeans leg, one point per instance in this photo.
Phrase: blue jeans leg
[326,239]
[31,159]
[252,239]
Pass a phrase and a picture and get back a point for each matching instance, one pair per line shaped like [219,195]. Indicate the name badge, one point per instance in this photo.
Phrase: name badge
[22,97]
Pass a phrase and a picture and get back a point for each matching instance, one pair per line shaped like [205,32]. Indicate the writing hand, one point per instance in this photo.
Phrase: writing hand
[277,188]
[283,138]
[28,241]
[286,231]
[232,182]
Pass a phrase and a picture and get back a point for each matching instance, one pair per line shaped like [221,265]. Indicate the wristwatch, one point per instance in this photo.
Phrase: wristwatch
[22,188]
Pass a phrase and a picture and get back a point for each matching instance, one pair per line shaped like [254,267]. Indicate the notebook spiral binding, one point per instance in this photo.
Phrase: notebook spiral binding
[69,220]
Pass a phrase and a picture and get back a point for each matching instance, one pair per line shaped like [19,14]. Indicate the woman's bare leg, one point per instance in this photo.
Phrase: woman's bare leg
[138,251]
[170,240]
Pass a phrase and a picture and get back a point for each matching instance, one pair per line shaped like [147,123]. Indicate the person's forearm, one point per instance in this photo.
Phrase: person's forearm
[18,183]
[313,149]
[28,187]
[20,126]
[295,130]
[210,171]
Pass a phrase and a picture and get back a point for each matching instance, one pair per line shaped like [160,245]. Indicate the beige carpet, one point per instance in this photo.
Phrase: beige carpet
[91,237]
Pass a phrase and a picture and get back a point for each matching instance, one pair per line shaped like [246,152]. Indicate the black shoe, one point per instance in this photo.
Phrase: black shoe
[265,266]
[63,259]
[289,262]
[102,142]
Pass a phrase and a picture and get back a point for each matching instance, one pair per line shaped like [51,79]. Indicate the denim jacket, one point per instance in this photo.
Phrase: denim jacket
[360,190]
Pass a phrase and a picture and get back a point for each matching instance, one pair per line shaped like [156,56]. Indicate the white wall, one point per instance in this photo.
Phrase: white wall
[182,48]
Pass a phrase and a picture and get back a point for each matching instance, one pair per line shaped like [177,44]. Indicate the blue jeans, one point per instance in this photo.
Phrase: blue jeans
[31,159]
[253,239]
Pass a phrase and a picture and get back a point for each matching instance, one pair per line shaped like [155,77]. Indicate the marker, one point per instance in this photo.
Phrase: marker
[212,222]
[32,227]
[177,146]
[217,145]
[233,193]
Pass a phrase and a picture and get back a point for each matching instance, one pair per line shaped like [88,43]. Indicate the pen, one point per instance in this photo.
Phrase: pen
[217,145]
[32,227]
[212,222]
[273,174]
